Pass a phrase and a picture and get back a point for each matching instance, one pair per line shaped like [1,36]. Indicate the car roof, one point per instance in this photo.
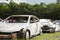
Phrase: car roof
[22,15]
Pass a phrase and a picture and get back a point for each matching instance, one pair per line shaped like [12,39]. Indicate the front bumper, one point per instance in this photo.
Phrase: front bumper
[47,28]
[8,36]
[5,36]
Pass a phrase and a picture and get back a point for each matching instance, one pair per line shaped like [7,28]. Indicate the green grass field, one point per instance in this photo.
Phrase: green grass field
[47,36]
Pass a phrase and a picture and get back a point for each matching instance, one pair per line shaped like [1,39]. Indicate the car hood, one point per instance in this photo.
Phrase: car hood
[11,27]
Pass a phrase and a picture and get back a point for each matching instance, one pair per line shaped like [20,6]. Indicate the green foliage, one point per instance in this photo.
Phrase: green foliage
[50,11]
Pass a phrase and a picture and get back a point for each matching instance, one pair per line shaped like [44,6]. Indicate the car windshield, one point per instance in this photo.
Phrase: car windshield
[19,19]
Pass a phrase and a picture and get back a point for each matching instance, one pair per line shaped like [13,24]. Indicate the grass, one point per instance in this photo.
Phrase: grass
[47,36]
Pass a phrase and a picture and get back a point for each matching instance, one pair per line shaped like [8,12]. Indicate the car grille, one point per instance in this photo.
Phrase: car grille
[45,28]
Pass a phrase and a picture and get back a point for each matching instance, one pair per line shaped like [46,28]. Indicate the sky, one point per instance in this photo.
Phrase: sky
[36,1]
[39,1]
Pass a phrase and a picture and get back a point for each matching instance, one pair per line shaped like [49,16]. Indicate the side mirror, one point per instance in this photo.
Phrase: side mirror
[36,20]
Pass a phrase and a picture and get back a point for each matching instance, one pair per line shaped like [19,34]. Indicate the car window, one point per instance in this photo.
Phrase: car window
[32,20]
[17,19]
[36,19]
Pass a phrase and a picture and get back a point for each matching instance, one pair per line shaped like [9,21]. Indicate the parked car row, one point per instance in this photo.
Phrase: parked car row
[26,25]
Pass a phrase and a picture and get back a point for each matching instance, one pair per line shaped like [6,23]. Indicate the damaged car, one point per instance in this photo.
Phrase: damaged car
[24,25]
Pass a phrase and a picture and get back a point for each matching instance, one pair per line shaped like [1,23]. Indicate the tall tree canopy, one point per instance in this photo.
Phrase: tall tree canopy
[50,11]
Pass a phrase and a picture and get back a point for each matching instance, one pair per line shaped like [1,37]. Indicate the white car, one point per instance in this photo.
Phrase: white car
[27,25]
[57,25]
[47,25]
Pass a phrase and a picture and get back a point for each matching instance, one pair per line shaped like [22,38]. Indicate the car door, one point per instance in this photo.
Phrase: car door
[33,26]
[38,28]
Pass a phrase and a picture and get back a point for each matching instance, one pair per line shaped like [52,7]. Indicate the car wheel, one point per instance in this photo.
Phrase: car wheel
[27,35]
[52,31]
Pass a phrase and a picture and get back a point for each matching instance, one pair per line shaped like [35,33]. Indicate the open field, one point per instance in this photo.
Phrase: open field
[47,36]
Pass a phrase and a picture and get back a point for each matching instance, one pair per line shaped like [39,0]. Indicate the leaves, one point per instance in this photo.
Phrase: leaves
[50,11]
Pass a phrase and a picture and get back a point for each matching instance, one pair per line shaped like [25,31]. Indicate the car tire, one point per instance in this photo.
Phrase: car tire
[27,35]
[52,31]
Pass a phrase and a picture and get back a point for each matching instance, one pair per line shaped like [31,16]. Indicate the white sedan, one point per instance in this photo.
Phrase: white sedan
[47,25]
[26,25]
